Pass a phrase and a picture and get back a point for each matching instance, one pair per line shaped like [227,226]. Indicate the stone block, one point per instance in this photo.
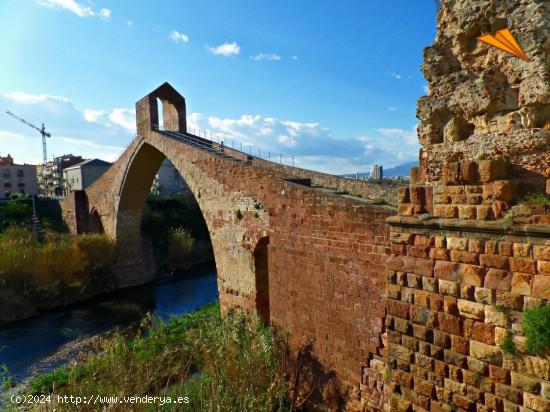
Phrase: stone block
[494,261]
[460,345]
[522,250]
[491,170]
[446,211]
[498,279]
[448,287]
[471,310]
[528,365]
[495,317]
[469,171]
[451,172]
[525,383]
[484,295]
[471,274]
[485,213]
[403,195]
[482,332]
[457,243]
[467,212]
[405,209]
[509,300]
[523,265]
[521,284]
[541,252]
[437,253]
[446,270]
[543,267]
[486,353]
[464,257]
[450,305]
[535,403]
[476,246]
[500,375]
[541,287]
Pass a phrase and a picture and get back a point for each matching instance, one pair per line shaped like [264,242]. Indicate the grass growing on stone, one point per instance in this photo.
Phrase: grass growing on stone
[229,363]
[508,345]
[536,326]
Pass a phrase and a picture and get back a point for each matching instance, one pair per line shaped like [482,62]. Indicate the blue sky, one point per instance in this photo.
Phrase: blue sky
[334,84]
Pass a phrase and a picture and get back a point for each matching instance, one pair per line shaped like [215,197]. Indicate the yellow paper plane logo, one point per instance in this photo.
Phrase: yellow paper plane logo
[504,40]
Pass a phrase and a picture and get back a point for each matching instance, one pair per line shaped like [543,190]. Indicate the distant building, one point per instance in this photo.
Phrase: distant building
[168,180]
[50,176]
[377,173]
[83,174]
[17,178]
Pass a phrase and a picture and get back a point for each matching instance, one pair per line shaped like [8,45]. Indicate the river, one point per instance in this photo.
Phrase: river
[49,340]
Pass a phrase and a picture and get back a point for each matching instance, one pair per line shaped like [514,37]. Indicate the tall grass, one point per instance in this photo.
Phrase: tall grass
[26,263]
[230,363]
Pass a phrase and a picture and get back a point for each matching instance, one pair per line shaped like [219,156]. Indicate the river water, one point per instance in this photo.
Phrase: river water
[34,346]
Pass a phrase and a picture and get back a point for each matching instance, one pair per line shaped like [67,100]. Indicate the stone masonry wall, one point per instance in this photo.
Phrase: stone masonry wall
[470,248]
[366,189]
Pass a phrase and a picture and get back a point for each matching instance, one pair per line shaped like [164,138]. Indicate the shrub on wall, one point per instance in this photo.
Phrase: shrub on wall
[536,326]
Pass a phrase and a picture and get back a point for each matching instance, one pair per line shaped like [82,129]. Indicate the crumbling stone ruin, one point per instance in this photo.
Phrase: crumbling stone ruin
[470,247]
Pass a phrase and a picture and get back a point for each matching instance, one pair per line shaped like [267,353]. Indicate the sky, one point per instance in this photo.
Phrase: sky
[333,84]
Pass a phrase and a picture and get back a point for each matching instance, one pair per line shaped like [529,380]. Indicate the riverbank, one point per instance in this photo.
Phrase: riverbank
[61,333]
[203,357]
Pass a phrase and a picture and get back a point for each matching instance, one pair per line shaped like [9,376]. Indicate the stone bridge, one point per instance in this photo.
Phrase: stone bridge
[304,257]
[414,312]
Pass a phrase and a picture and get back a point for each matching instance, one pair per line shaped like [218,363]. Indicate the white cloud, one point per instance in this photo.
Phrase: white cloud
[178,37]
[312,145]
[226,49]
[396,76]
[29,98]
[267,57]
[76,8]
[294,57]
[392,109]
[125,118]
[130,23]
[105,14]
[91,115]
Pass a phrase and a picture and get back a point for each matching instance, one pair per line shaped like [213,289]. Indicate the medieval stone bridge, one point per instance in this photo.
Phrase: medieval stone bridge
[304,257]
[409,312]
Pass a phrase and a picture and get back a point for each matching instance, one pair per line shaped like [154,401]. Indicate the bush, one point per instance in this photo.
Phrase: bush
[24,262]
[536,326]
[179,248]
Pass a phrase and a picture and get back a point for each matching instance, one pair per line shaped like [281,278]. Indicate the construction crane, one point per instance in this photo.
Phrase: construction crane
[42,131]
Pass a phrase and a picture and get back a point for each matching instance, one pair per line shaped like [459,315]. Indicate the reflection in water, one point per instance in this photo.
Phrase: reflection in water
[25,343]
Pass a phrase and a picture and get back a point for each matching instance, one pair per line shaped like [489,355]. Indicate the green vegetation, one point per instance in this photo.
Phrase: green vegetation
[238,214]
[29,264]
[173,224]
[536,199]
[536,326]
[508,345]
[234,363]
[18,211]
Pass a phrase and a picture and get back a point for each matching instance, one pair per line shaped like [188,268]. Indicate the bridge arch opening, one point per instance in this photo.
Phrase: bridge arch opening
[160,109]
[163,222]
[261,264]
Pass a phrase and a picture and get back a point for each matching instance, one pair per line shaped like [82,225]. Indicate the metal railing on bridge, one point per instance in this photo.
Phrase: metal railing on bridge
[211,142]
